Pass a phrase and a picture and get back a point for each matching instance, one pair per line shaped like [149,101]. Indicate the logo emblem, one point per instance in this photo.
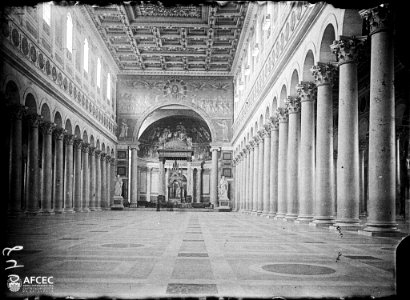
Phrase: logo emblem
[14,283]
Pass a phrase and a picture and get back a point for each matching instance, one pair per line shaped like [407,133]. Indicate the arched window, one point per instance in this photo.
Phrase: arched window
[109,86]
[69,37]
[98,73]
[86,55]
[47,12]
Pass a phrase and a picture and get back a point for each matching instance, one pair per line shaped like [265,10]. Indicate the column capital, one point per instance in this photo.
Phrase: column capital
[69,139]
[108,158]
[112,161]
[17,111]
[274,123]
[378,18]
[323,73]
[215,148]
[256,139]
[85,147]
[135,145]
[248,147]
[77,143]
[348,49]
[307,91]
[102,156]
[59,133]
[47,127]
[293,104]
[97,153]
[91,150]
[34,119]
[282,114]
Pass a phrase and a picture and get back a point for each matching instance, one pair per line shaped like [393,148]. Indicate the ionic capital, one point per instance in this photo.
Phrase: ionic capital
[323,73]
[34,119]
[378,18]
[17,111]
[293,104]
[78,143]
[47,127]
[282,114]
[347,49]
[85,147]
[307,91]
[69,139]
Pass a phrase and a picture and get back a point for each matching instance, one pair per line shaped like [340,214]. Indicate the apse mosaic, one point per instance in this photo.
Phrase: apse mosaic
[179,132]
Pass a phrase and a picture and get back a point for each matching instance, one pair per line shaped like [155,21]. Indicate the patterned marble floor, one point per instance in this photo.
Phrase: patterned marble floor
[143,254]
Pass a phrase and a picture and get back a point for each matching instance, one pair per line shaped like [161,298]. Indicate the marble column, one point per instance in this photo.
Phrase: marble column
[247,199]
[283,118]
[382,177]
[293,106]
[134,176]
[347,190]
[255,183]
[260,187]
[239,179]
[92,197]
[69,173]
[161,186]
[16,176]
[273,176]
[266,169]
[214,177]
[86,178]
[307,94]
[109,179]
[250,169]
[34,174]
[47,130]
[362,204]
[190,184]
[245,179]
[149,170]
[104,200]
[112,178]
[235,185]
[97,180]
[324,199]
[244,187]
[77,175]
[59,170]
[166,184]
[198,184]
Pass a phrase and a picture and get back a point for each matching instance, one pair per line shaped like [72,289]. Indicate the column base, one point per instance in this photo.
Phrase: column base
[304,220]
[265,214]
[339,227]
[31,212]
[381,229]
[133,205]
[322,222]
[15,213]
[291,217]
[271,215]
[259,213]
[254,213]
[47,212]
[68,210]
[78,210]
[280,216]
[93,209]
[58,211]
[85,210]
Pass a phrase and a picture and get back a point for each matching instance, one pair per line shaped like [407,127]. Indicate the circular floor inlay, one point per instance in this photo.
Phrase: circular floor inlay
[122,245]
[298,269]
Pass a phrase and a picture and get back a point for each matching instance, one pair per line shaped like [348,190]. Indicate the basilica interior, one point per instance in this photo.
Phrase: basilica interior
[279,121]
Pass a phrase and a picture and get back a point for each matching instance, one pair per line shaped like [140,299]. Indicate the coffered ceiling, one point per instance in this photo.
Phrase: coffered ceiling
[145,37]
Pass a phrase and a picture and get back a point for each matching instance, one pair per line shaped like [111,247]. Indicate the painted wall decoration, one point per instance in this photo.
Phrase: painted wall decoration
[190,132]
[211,97]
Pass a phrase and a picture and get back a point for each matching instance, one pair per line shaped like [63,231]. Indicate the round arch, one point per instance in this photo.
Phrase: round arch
[327,38]
[200,112]
[12,92]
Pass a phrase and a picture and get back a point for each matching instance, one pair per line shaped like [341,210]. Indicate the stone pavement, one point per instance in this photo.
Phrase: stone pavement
[144,254]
